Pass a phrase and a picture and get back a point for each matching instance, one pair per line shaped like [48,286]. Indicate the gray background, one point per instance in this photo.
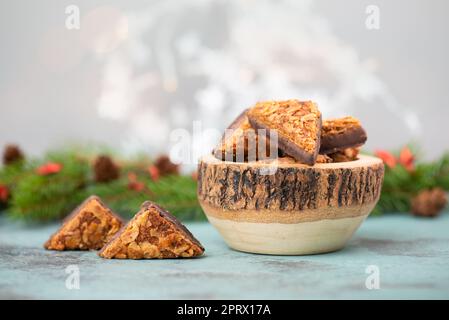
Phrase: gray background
[177,62]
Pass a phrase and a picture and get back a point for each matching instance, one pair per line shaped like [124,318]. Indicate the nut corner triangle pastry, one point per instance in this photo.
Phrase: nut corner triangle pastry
[153,233]
[298,124]
[340,134]
[228,146]
[88,227]
[242,143]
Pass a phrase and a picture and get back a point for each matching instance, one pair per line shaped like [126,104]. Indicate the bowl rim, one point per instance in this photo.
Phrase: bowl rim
[362,161]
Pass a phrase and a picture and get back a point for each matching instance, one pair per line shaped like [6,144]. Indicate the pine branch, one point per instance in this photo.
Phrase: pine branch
[44,198]
[175,193]
[178,195]
[401,185]
[118,196]
[41,198]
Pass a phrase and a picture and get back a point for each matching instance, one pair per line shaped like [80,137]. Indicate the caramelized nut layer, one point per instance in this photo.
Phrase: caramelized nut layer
[152,234]
[299,121]
[339,126]
[242,143]
[349,154]
[322,158]
[90,226]
[340,134]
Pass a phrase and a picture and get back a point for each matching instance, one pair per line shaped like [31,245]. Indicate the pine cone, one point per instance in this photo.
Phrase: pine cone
[429,203]
[165,166]
[11,154]
[105,169]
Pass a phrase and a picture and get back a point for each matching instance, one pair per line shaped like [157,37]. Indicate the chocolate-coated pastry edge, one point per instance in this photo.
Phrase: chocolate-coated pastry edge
[353,138]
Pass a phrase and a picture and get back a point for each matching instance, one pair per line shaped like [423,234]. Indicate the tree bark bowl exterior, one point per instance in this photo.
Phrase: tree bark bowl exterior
[280,207]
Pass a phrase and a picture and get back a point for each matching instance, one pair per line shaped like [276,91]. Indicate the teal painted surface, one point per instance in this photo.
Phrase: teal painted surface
[412,255]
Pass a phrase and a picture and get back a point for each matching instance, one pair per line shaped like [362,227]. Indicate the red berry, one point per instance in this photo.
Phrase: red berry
[49,168]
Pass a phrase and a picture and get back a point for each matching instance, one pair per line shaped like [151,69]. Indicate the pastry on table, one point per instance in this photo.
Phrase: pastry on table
[89,226]
[153,233]
[297,123]
[340,134]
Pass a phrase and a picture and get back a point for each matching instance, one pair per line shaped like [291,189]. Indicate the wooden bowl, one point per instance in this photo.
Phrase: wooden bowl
[285,208]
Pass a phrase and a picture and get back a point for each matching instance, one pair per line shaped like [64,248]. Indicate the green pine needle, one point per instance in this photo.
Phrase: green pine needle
[400,185]
[43,198]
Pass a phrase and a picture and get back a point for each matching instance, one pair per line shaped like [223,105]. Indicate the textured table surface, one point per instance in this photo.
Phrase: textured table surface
[412,256]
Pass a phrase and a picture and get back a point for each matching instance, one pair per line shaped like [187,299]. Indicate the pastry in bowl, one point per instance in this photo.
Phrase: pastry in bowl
[300,203]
